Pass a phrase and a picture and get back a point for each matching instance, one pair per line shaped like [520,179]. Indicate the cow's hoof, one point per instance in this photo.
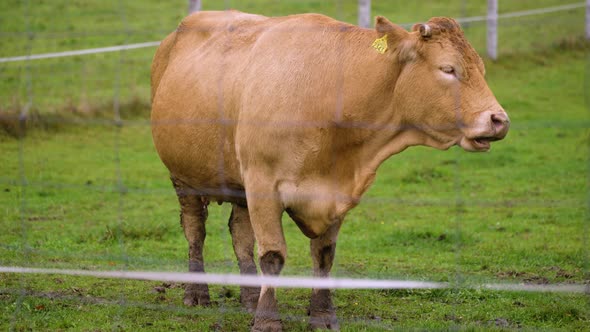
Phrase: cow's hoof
[249,298]
[326,321]
[196,295]
[266,325]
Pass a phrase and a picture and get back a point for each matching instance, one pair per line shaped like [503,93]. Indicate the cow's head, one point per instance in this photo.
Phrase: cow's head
[441,91]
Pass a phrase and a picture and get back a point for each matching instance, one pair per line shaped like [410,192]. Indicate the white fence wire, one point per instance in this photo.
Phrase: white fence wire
[296,282]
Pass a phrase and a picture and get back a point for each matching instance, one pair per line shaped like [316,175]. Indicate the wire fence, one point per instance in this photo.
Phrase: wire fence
[101,86]
[463,20]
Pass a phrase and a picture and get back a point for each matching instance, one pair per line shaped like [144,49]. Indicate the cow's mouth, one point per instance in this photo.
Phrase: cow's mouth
[477,144]
[483,143]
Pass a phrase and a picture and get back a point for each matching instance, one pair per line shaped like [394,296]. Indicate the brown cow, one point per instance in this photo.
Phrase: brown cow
[296,114]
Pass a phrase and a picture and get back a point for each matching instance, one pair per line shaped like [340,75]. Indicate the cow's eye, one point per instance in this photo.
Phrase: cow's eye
[448,70]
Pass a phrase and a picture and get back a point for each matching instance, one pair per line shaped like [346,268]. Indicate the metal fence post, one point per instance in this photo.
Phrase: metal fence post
[194,6]
[492,36]
[587,19]
[365,13]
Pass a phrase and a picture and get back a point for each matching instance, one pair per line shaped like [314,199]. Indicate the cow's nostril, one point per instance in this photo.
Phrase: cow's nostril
[498,118]
[500,122]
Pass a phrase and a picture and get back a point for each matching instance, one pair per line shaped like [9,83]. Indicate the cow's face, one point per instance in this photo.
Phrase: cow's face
[441,89]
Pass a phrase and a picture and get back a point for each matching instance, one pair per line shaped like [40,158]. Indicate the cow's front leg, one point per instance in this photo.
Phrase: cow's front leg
[321,309]
[243,242]
[265,215]
[193,214]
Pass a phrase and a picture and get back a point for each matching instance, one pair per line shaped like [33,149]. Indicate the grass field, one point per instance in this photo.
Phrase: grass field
[89,195]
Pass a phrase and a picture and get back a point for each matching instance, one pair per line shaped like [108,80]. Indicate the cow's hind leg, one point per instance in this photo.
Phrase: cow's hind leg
[321,309]
[243,242]
[193,213]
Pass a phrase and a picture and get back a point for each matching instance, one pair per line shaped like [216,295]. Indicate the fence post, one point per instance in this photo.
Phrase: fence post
[588,19]
[194,6]
[365,13]
[492,37]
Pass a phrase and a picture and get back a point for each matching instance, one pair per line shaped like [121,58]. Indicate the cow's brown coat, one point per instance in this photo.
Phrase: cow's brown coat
[297,113]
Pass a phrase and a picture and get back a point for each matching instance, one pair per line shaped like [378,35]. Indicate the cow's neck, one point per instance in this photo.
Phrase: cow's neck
[376,130]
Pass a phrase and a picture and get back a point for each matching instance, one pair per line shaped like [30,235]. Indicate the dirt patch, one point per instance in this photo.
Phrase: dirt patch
[526,277]
[536,280]
[552,274]
[16,124]
[510,274]
[18,120]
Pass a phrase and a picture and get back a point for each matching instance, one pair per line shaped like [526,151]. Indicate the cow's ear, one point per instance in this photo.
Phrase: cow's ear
[398,38]
[394,31]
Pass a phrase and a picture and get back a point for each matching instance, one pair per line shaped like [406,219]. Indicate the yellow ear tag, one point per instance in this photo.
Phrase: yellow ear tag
[380,44]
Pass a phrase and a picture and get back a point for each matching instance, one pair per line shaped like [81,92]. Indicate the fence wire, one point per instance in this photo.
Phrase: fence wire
[117,188]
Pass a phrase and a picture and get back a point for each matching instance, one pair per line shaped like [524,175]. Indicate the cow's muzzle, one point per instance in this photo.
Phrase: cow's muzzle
[495,130]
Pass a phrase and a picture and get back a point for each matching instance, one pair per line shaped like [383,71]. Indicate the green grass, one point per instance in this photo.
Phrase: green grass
[94,196]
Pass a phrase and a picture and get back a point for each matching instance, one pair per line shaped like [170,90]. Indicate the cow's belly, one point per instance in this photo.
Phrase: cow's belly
[197,149]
